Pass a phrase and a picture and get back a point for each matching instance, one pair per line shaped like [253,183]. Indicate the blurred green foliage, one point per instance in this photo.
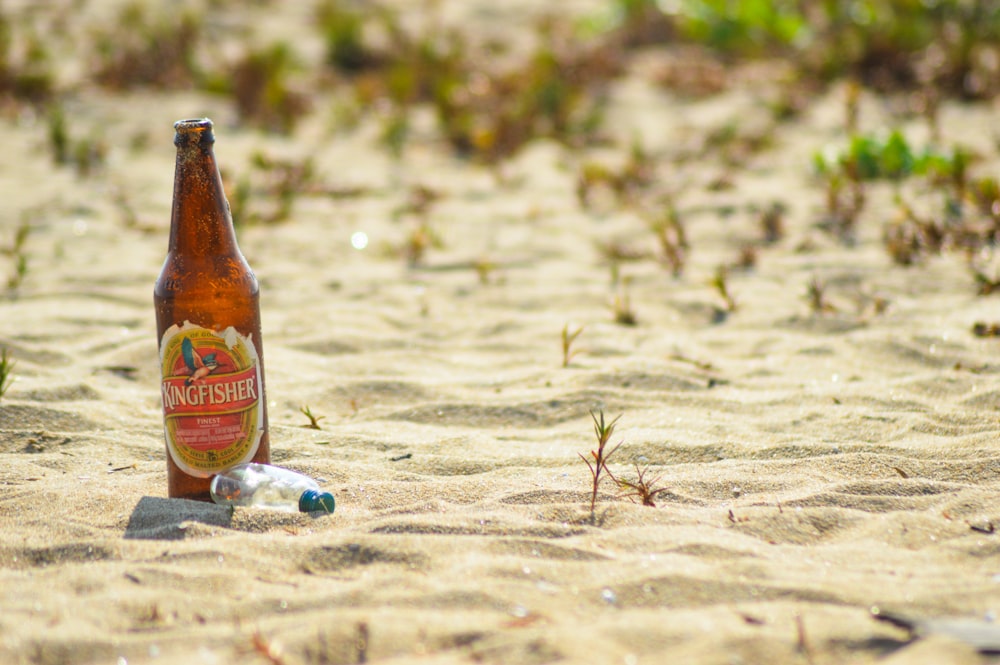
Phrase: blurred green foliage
[951,44]
[148,48]
[869,157]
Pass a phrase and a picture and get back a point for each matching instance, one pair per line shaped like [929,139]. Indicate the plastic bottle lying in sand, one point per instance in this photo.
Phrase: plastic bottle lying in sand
[269,486]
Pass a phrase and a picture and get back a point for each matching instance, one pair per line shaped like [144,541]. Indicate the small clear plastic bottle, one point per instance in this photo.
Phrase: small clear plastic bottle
[269,486]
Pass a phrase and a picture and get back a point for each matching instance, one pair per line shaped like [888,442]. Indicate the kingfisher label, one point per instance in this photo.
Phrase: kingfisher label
[211,389]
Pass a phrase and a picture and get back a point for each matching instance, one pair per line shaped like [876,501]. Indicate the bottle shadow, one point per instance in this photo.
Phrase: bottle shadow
[155,518]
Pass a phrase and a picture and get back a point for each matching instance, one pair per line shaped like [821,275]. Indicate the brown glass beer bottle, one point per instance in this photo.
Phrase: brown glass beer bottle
[208,326]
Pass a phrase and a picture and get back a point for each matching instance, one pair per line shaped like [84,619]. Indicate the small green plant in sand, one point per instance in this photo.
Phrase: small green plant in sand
[884,44]
[395,130]
[845,199]
[598,460]
[17,255]
[266,192]
[772,223]
[260,83]
[911,236]
[148,49]
[985,285]
[286,179]
[421,236]
[983,329]
[25,64]
[313,419]
[816,295]
[6,369]
[635,175]
[342,25]
[720,282]
[19,273]
[485,267]
[891,157]
[621,306]
[86,154]
[485,106]
[568,337]
[967,222]
[642,490]
[413,248]
[670,234]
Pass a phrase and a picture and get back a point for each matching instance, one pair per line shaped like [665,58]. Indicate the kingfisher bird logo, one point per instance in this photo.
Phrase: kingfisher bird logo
[200,366]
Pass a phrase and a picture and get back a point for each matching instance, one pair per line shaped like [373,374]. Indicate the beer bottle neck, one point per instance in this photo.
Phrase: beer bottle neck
[200,220]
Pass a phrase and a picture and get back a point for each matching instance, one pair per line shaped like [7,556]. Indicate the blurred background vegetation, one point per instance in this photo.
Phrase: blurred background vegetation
[489,98]
[415,70]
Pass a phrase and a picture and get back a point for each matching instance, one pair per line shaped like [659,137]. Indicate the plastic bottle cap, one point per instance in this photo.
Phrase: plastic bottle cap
[313,501]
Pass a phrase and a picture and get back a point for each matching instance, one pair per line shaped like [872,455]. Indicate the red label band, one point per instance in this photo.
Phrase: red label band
[210,395]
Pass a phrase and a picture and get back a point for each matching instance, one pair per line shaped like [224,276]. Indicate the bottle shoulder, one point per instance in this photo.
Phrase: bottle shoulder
[218,272]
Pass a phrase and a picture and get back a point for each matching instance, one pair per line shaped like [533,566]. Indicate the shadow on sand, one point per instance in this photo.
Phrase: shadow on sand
[156,518]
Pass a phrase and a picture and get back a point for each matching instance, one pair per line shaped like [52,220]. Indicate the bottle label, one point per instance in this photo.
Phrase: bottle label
[212,392]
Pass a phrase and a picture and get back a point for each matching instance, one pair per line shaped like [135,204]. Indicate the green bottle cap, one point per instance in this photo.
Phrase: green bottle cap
[313,501]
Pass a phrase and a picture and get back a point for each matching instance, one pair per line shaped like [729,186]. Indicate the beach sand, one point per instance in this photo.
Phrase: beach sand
[816,467]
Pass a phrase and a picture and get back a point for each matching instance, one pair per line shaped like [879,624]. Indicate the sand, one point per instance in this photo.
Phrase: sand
[816,467]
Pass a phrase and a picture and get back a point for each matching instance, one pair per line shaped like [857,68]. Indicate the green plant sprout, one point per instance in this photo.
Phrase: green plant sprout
[260,85]
[985,285]
[6,368]
[816,295]
[890,157]
[720,282]
[635,175]
[643,489]
[25,63]
[845,199]
[313,419]
[598,460]
[621,306]
[672,238]
[567,342]
[87,155]
[414,248]
[143,49]
[772,223]
[876,42]
[18,255]
[342,29]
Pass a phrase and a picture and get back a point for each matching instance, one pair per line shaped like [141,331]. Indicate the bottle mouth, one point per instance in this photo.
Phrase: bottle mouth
[193,130]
